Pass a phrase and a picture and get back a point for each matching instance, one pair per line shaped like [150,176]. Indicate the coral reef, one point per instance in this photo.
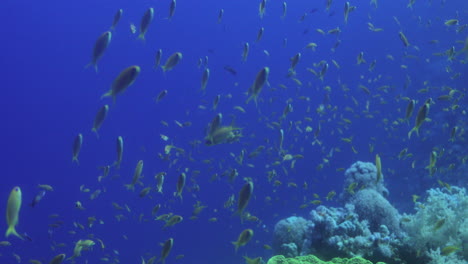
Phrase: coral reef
[314,260]
[369,226]
[341,233]
[373,207]
[440,221]
[363,175]
[290,236]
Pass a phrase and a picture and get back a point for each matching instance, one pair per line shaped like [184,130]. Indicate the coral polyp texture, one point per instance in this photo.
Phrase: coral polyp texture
[368,225]
[314,260]
[440,224]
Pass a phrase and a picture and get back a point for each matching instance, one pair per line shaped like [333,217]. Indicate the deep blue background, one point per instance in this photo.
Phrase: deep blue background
[48,97]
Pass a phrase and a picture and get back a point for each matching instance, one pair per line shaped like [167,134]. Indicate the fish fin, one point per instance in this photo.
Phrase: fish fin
[96,132]
[411,132]
[92,64]
[130,187]
[12,231]
[236,245]
[108,94]
[250,98]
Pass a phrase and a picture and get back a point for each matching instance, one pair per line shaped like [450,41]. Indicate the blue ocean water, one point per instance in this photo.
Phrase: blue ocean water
[48,97]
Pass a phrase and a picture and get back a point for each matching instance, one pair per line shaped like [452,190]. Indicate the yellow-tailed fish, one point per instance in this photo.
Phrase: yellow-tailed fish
[58,259]
[360,58]
[120,149]
[244,198]
[205,78]
[116,19]
[346,12]
[125,79]
[378,165]
[157,60]
[145,22]
[245,52]
[166,249]
[136,176]
[243,238]
[260,34]
[409,109]
[99,118]
[100,47]
[175,219]
[220,15]
[261,8]
[77,147]
[432,160]
[422,113]
[160,181]
[161,95]
[253,261]
[260,80]
[451,22]
[172,8]
[180,185]
[12,211]
[172,61]
[403,39]
[285,10]
[294,60]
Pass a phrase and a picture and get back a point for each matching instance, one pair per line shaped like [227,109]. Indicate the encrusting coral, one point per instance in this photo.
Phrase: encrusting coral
[314,260]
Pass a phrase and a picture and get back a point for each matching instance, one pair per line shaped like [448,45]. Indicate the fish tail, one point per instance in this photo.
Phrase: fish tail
[236,245]
[12,231]
[75,159]
[130,187]
[116,164]
[94,64]
[142,36]
[95,131]
[252,97]
[415,129]
[108,94]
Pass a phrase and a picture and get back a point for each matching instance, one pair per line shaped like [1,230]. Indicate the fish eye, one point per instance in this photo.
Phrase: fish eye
[17,189]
